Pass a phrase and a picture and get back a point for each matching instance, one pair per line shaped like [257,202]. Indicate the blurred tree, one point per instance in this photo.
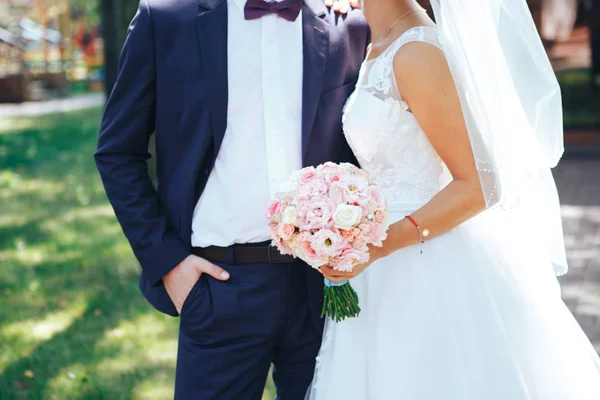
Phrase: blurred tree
[594,23]
[116,15]
[113,40]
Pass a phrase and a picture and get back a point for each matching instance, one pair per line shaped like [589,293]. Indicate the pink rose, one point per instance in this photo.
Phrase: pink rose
[306,175]
[377,235]
[311,257]
[284,248]
[328,243]
[274,229]
[380,217]
[273,209]
[351,258]
[364,228]
[286,231]
[360,243]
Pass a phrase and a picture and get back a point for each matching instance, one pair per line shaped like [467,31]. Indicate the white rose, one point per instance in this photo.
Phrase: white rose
[288,187]
[345,216]
[289,216]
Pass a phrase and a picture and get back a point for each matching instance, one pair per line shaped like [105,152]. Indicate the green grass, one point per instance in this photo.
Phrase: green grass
[581,104]
[73,324]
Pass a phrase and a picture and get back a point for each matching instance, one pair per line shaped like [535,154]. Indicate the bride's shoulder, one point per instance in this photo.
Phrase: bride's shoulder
[419,64]
[417,48]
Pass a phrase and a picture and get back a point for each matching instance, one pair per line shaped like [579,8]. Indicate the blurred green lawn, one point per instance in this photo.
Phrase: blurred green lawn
[73,324]
[581,104]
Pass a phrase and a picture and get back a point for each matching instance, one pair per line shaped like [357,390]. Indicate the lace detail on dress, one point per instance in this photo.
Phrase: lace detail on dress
[385,136]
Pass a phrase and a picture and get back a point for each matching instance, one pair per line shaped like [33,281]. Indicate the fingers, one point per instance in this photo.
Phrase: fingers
[213,270]
[342,6]
[336,276]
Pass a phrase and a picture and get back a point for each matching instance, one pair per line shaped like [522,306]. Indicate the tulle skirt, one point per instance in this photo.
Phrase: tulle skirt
[475,316]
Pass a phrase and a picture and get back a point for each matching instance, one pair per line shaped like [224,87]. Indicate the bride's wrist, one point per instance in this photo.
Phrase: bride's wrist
[401,234]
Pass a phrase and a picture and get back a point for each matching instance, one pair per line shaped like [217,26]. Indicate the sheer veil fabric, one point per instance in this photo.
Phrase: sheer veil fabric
[512,106]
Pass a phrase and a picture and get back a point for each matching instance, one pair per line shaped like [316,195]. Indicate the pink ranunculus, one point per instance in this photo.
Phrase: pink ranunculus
[328,243]
[351,258]
[312,189]
[365,228]
[347,234]
[273,209]
[336,192]
[286,231]
[376,199]
[328,167]
[331,172]
[315,214]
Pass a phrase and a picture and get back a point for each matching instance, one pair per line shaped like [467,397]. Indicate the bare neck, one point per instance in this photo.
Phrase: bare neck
[381,15]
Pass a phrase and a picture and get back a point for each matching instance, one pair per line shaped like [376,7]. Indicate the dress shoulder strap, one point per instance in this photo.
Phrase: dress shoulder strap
[378,74]
[425,34]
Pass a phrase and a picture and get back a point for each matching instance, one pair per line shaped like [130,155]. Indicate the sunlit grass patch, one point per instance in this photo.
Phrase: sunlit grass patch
[73,324]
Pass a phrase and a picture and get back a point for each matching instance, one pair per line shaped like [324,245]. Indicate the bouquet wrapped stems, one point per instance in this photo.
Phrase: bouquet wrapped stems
[340,301]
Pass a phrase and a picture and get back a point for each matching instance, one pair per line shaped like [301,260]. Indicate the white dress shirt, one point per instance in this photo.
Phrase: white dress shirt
[263,138]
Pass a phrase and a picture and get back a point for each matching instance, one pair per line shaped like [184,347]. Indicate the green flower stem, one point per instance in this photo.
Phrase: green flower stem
[340,303]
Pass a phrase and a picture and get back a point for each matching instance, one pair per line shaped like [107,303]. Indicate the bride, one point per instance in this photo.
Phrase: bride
[459,123]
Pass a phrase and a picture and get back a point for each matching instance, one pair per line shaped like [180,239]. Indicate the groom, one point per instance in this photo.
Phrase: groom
[239,94]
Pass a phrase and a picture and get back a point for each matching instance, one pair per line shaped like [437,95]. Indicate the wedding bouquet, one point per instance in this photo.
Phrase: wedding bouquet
[328,215]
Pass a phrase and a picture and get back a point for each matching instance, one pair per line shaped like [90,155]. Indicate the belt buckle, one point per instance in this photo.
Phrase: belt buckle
[269,249]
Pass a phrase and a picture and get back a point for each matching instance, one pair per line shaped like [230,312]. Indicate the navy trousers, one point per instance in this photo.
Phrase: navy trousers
[232,331]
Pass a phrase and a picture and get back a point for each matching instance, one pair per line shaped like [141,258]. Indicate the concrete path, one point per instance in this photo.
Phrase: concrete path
[578,181]
[73,103]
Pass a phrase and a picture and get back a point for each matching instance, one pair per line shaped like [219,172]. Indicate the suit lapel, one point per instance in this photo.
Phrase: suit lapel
[315,51]
[211,25]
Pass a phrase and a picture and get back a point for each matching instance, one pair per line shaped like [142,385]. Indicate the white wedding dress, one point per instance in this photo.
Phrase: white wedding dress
[472,317]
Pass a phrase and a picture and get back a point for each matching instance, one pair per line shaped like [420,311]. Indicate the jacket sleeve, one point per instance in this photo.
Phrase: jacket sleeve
[122,154]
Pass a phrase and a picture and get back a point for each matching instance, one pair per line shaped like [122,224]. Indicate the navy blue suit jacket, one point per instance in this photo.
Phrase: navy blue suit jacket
[173,82]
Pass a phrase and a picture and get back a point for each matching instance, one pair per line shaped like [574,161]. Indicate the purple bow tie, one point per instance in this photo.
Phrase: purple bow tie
[288,9]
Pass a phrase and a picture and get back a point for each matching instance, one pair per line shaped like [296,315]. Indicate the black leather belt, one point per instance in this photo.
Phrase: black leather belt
[242,254]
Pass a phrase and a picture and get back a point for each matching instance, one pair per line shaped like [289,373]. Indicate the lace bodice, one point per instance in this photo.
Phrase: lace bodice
[385,136]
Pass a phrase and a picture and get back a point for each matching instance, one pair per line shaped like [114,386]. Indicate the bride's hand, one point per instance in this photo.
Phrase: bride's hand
[342,6]
[335,276]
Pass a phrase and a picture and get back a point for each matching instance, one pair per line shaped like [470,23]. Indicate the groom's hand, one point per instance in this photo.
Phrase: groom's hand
[342,6]
[181,279]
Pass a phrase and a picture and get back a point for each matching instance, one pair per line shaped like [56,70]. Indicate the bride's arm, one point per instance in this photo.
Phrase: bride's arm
[426,84]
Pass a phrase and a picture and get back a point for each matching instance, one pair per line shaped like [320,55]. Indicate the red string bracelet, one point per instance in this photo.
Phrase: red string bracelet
[423,233]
